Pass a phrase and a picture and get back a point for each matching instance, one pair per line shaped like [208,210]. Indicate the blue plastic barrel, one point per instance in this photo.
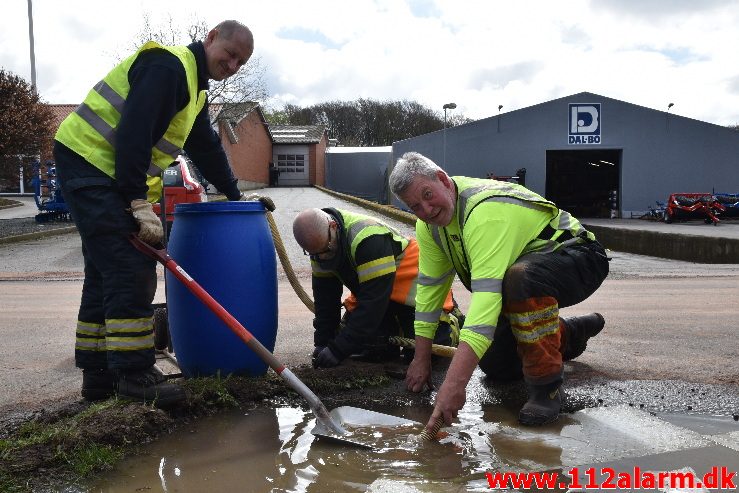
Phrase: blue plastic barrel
[227,248]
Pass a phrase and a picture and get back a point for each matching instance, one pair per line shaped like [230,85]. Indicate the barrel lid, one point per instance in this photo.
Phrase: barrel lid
[220,206]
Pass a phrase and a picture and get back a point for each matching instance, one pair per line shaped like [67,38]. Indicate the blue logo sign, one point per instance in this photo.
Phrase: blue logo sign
[584,124]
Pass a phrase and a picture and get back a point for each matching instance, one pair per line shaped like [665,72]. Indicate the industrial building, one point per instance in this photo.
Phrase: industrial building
[359,171]
[590,154]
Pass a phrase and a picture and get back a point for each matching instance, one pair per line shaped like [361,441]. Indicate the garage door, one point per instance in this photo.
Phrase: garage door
[582,181]
[292,164]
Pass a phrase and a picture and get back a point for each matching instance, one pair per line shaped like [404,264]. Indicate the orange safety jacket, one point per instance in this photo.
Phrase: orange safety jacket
[404,287]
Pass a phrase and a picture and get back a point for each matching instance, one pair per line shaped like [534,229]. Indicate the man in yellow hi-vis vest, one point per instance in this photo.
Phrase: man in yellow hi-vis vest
[522,258]
[380,268]
[110,154]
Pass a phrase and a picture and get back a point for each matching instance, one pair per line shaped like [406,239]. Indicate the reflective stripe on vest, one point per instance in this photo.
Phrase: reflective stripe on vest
[108,133]
[425,280]
[358,228]
[563,229]
[487,285]
[90,130]
[487,331]
[561,224]
[405,283]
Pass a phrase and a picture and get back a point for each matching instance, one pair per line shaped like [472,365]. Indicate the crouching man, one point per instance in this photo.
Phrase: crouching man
[380,267]
[522,258]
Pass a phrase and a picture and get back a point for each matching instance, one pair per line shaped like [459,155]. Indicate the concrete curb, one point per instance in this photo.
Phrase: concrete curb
[699,249]
[38,234]
[690,248]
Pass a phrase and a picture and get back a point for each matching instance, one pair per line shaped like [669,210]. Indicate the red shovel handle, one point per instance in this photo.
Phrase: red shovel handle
[161,255]
[158,254]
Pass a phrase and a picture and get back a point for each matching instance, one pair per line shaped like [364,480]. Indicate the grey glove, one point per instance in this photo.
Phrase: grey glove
[315,354]
[324,358]
[150,226]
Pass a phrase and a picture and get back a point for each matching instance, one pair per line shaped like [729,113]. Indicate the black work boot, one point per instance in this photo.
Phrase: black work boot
[97,384]
[149,386]
[377,354]
[544,404]
[577,332]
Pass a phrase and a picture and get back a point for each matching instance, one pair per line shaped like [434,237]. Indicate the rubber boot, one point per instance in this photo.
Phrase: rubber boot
[149,386]
[577,332]
[545,402]
[97,384]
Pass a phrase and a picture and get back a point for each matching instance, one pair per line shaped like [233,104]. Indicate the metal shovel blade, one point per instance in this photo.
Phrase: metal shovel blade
[356,417]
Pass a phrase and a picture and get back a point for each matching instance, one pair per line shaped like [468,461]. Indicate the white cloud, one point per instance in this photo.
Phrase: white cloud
[478,54]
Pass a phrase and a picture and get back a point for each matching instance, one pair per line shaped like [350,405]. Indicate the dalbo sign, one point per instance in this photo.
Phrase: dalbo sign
[584,124]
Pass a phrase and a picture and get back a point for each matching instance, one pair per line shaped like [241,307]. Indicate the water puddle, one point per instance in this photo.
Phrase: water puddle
[273,450]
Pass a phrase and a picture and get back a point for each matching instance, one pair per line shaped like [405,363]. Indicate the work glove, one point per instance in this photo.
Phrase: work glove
[315,354]
[266,201]
[150,227]
[324,358]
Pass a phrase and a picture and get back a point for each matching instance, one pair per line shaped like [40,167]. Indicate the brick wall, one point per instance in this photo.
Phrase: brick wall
[317,157]
[249,157]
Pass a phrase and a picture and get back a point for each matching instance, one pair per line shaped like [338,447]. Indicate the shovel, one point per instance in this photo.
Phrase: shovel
[328,425]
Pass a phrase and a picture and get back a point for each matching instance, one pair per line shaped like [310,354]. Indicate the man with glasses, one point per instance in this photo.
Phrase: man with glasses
[380,267]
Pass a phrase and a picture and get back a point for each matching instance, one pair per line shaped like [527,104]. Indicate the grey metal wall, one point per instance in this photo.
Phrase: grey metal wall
[662,153]
[358,173]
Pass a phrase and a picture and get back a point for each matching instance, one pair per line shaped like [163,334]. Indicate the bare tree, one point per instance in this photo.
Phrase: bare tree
[298,116]
[342,122]
[367,122]
[458,119]
[248,84]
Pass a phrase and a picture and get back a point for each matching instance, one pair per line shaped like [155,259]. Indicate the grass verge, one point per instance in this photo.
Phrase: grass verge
[53,448]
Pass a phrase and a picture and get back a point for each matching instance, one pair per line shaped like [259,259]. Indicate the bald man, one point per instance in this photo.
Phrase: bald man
[380,268]
[110,154]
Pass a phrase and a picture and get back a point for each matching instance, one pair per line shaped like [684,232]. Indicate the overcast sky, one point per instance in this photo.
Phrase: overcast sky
[477,54]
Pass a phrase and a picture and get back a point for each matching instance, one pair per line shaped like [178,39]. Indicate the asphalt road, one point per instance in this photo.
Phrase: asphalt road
[664,319]
[28,209]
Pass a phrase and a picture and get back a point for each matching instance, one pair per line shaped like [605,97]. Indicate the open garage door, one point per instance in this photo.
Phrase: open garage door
[581,181]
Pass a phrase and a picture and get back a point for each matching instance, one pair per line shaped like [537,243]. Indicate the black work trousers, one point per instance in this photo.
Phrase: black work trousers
[120,282]
[397,321]
[569,275]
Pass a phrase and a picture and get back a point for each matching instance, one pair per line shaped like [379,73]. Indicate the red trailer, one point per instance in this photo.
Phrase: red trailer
[686,206]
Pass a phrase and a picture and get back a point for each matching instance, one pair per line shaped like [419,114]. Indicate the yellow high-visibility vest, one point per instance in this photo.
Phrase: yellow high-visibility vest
[90,129]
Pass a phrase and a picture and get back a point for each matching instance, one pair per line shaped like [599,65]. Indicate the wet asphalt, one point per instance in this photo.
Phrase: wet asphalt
[673,358]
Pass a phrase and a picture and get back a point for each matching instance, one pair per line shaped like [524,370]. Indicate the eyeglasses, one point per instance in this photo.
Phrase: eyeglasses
[317,256]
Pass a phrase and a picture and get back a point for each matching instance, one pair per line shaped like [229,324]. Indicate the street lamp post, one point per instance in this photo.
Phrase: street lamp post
[30,38]
[448,106]
[667,115]
[33,83]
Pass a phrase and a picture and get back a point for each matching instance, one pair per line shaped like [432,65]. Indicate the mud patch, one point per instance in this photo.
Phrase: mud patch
[54,443]
[63,442]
